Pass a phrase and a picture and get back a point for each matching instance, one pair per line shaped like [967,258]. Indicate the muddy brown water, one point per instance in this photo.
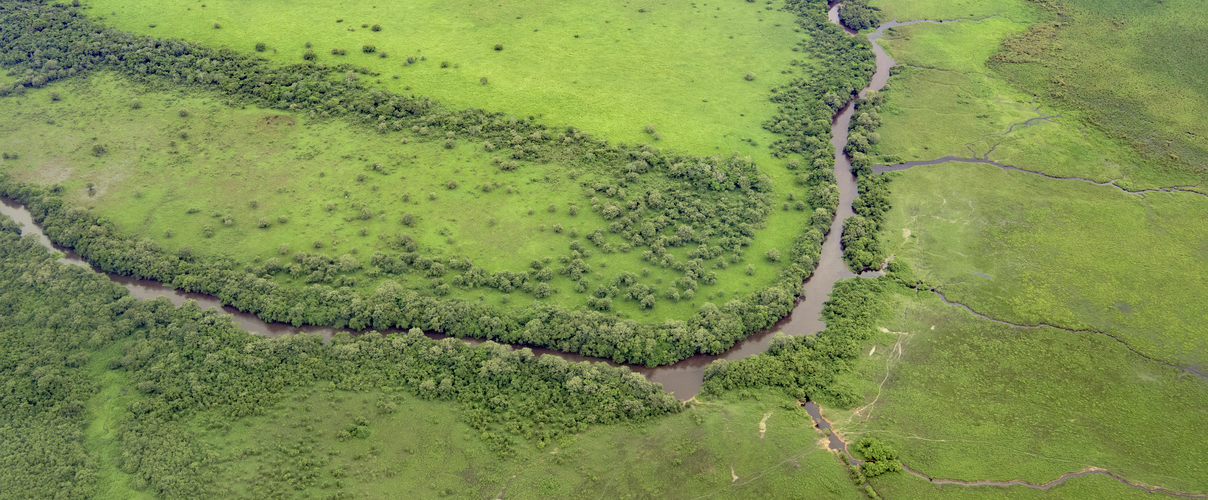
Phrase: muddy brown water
[684,378]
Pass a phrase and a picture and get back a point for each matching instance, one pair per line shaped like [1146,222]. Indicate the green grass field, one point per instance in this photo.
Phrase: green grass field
[965,398]
[908,10]
[1126,67]
[1028,249]
[714,450]
[159,166]
[906,486]
[608,68]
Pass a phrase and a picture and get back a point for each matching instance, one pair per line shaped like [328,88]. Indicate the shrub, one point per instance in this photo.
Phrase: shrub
[750,270]
[449,143]
[263,224]
[410,59]
[183,112]
[499,46]
[308,45]
[368,49]
[573,210]
[451,185]
[168,233]
[650,128]
[408,219]
[432,196]
[773,255]
[260,46]
[552,208]
[444,64]
[364,231]
[136,104]
[283,249]
[382,54]
[282,219]
[217,26]
[98,150]
[483,80]
[309,55]
[750,76]
[54,96]
[376,27]
[207,231]
[318,244]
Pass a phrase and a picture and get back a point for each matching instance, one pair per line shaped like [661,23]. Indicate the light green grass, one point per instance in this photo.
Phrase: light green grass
[105,412]
[422,449]
[969,399]
[150,177]
[627,68]
[1127,68]
[907,486]
[1067,253]
[908,10]
[950,102]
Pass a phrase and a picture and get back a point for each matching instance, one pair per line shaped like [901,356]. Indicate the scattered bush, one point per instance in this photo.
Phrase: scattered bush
[217,26]
[183,112]
[368,49]
[408,219]
[309,55]
[376,27]
[499,46]
[260,46]
[749,77]
[483,80]
[263,223]
[136,104]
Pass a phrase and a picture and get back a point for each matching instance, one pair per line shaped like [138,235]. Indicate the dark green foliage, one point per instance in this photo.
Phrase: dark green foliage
[184,360]
[858,15]
[862,247]
[309,55]
[499,46]
[879,457]
[810,366]
[260,46]
[368,49]
[376,27]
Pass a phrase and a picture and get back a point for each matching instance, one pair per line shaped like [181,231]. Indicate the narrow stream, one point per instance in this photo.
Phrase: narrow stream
[684,378]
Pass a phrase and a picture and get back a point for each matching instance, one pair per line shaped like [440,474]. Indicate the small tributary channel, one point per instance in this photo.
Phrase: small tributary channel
[683,378]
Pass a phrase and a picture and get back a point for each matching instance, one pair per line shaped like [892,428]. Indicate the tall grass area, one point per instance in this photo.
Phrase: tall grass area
[608,68]
[909,10]
[948,100]
[1097,486]
[969,399]
[423,448]
[1027,249]
[170,178]
[1129,68]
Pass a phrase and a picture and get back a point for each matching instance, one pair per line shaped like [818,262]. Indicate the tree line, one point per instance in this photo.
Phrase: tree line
[61,326]
[862,245]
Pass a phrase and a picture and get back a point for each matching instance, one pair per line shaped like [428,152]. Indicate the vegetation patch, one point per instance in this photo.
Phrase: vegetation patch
[1027,249]
[970,399]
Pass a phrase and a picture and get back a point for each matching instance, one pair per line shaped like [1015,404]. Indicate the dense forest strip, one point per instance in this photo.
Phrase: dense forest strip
[43,43]
[55,318]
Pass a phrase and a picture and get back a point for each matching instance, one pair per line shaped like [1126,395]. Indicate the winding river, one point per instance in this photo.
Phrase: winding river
[684,378]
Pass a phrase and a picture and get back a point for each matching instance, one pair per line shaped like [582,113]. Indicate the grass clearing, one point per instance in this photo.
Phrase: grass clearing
[158,166]
[950,101]
[907,486]
[423,449]
[1127,68]
[908,10]
[1027,249]
[970,399]
[605,67]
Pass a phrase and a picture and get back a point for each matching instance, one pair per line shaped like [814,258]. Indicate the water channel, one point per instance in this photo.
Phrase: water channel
[684,378]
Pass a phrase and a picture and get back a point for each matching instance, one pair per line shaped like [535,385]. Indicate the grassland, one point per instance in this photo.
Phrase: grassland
[1126,68]
[955,98]
[969,399]
[908,10]
[158,167]
[1029,249]
[606,67]
[715,449]
[907,486]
